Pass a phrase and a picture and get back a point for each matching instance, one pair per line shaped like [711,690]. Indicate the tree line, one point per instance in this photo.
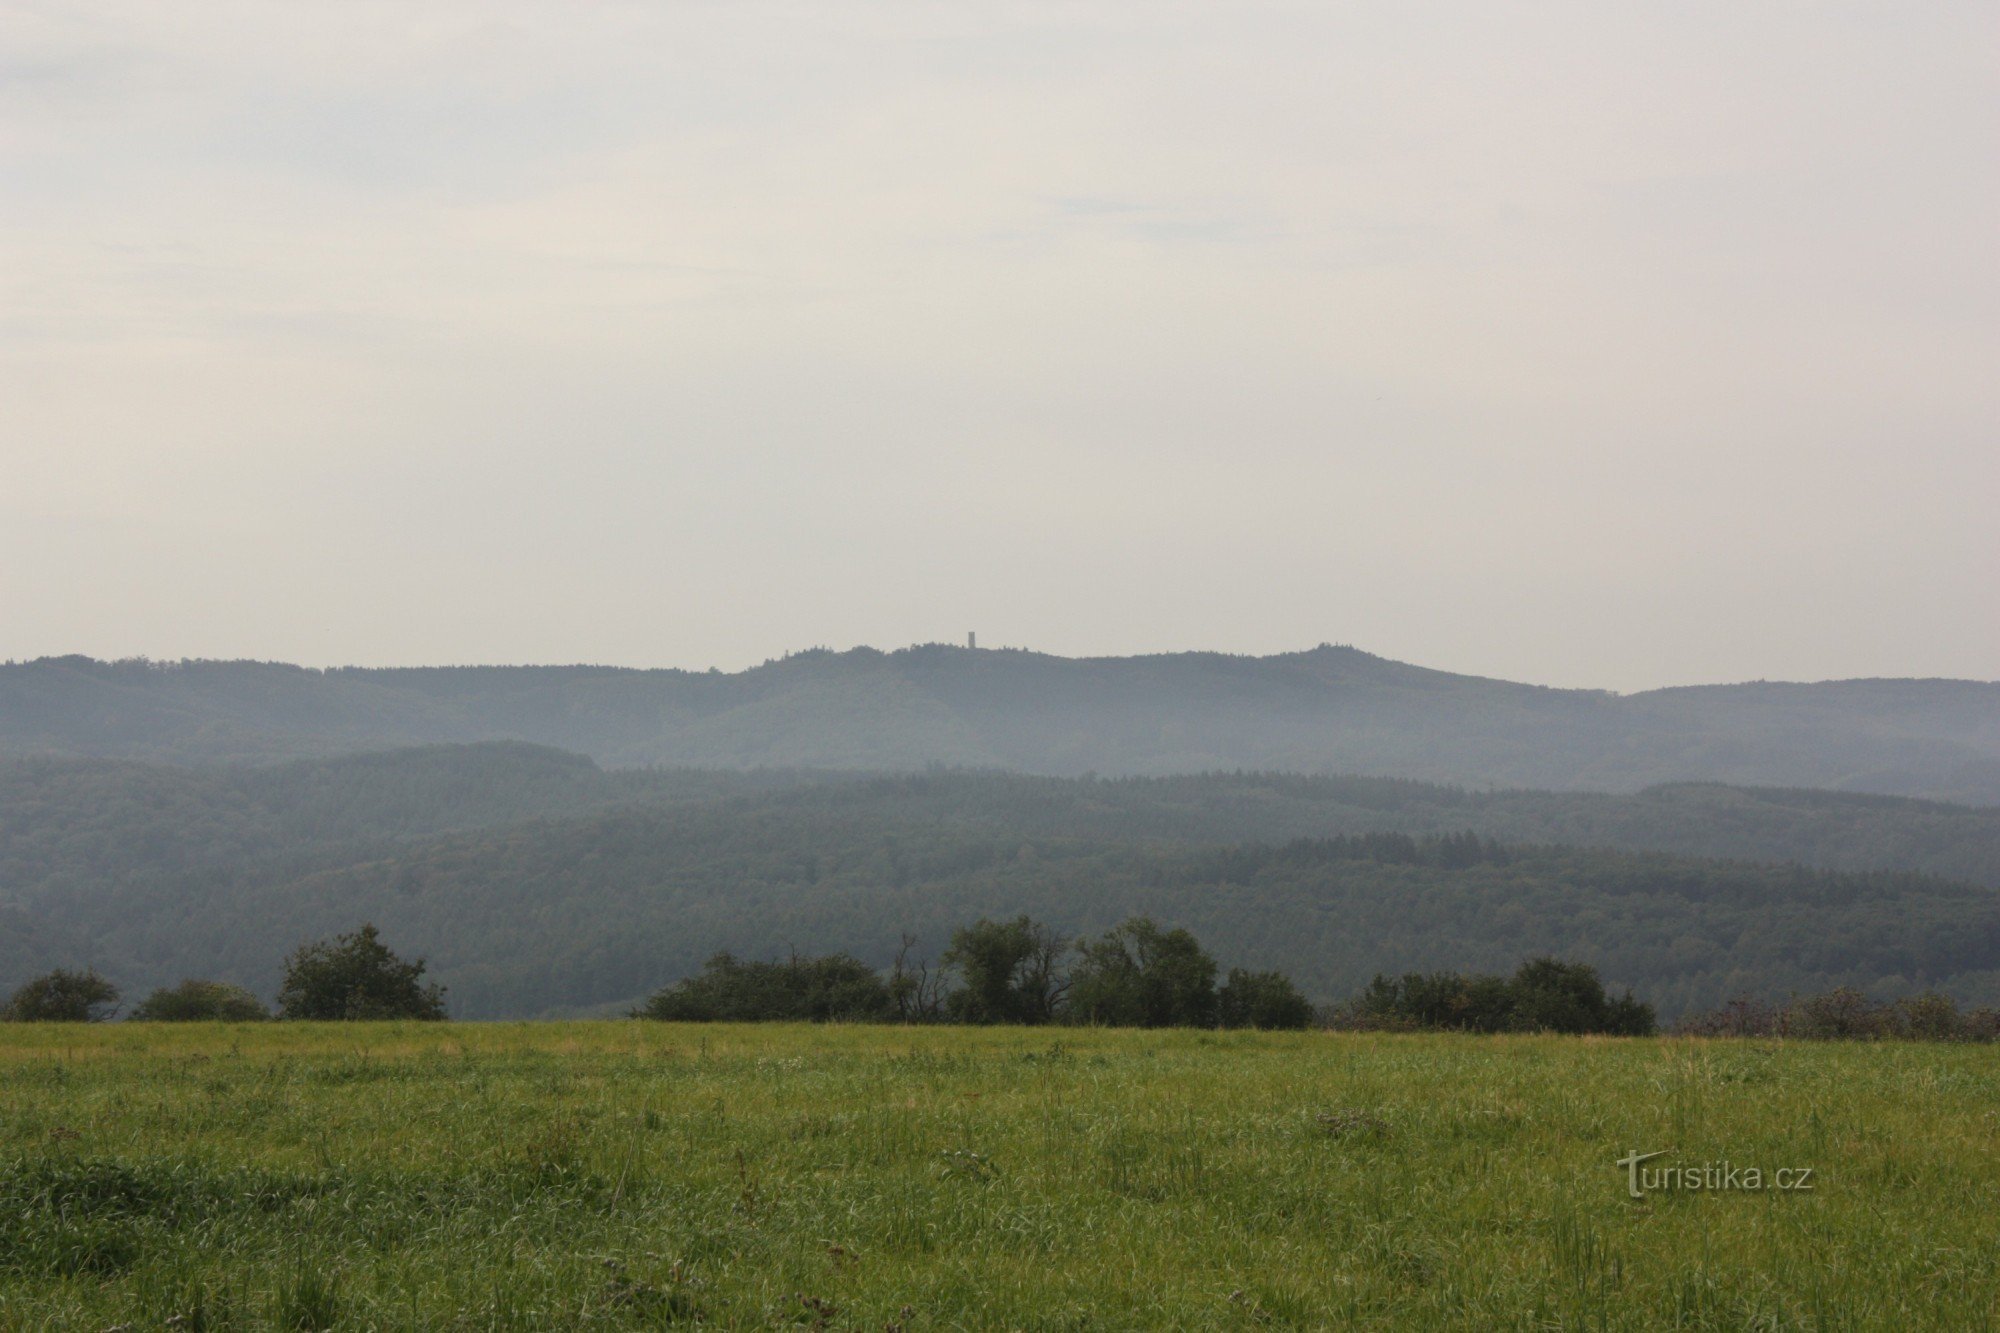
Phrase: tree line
[1136,975]
[1019,971]
[1022,972]
[1846,1014]
[1544,995]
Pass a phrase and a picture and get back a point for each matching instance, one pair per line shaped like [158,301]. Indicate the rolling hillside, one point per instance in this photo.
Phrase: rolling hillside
[538,882]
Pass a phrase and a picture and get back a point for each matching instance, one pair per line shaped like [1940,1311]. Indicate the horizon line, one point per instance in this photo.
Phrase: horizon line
[821,650]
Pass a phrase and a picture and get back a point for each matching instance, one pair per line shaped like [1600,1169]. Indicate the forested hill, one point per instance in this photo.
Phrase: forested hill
[1323,711]
[598,910]
[74,820]
[537,881]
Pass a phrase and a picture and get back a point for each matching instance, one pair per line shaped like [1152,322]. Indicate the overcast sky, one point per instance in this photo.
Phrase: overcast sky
[1615,345]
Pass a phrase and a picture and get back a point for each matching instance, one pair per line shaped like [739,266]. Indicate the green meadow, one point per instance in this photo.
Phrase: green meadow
[639,1175]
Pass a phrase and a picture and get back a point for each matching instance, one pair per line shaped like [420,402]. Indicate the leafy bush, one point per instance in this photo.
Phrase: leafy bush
[356,977]
[1553,996]
[1840,1013]
[1544,995]
[63,996]
[201,1001]
[1261,1000]
[837,987]
[1436,1000]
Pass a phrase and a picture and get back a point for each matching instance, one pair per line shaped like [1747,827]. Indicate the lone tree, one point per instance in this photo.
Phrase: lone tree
[201,1001]
[356,977]
[62,996]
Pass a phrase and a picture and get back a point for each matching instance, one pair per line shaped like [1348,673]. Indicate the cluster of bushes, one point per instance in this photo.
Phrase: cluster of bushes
[1848,1015]
[1544,995]
[349,977]
[1018,971]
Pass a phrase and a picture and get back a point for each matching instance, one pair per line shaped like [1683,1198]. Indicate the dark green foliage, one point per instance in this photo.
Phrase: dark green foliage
[199,1001]
[1839,1014]
[1261,1000]
[1437,1000]
[356,977]
[1544,995]
[1010,972]
[834,988]
[1138,975]
[90,821]
[63,996]
[1553,996]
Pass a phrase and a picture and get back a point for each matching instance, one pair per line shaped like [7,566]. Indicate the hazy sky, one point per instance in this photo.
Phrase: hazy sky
[1589,344]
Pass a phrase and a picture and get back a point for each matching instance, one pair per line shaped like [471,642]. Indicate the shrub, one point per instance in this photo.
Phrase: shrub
[201,1001]
[63,996]
[1544,995]
[1927,1017]
[835,987]
[1437,1000]
[1741,1017]
[1848,1015]
[356,977]
[1553,996]
[1839,1014]
[1261,1000]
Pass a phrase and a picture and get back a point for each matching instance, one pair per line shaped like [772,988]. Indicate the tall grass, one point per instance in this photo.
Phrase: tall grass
[638,1175]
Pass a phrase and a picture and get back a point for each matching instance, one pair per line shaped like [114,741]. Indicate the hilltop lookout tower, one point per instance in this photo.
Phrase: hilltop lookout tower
[971,639]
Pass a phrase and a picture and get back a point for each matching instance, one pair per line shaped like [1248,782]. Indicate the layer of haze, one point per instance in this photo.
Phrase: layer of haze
[1587,344]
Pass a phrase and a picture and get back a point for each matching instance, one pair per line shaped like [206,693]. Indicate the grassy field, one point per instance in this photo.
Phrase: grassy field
[622,1174]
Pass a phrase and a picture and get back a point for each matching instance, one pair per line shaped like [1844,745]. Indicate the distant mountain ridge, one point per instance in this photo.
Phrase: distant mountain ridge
[1326,710]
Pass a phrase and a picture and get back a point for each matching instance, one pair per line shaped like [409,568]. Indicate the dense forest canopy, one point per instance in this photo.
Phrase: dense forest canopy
[536,882]
[1330,710]
[75,820]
